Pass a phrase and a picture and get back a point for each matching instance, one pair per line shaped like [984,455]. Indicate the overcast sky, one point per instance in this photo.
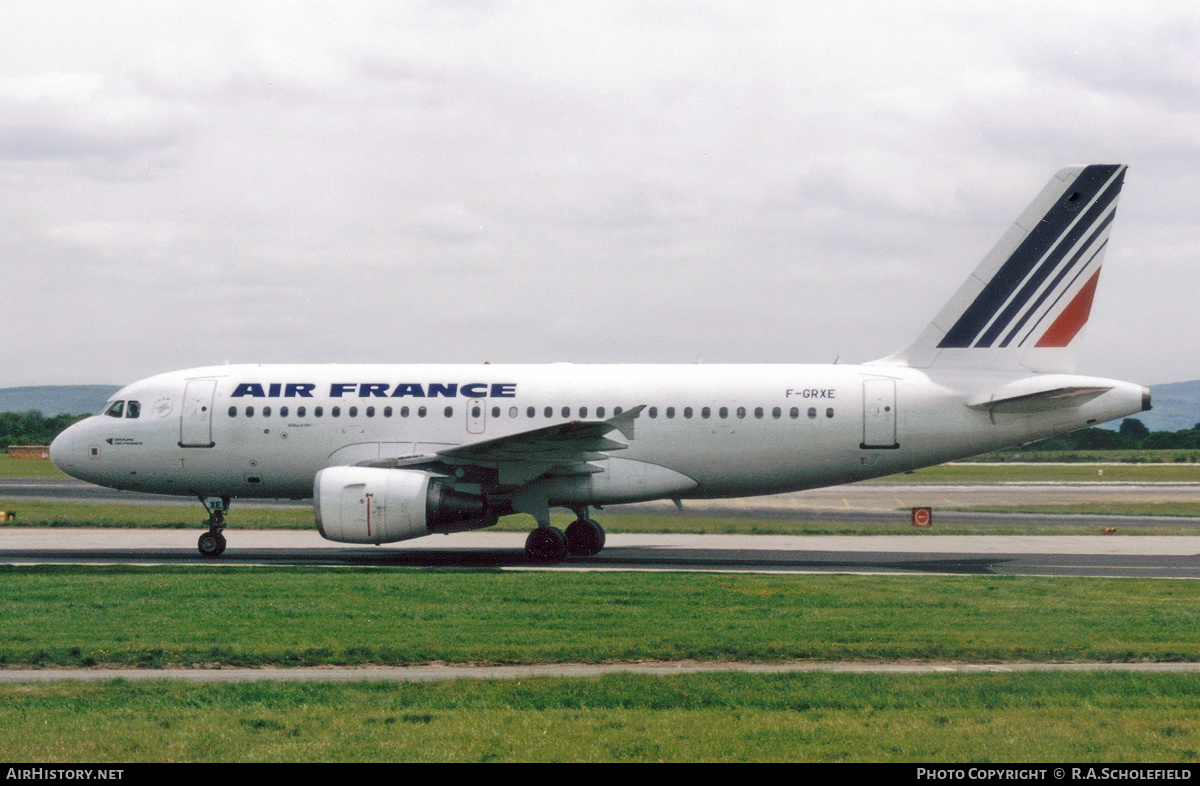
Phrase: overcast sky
[184,184]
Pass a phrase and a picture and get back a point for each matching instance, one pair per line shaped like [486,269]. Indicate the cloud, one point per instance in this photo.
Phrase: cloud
[56,116]
[585,181]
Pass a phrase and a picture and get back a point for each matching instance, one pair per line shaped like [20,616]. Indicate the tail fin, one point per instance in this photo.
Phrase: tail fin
[1026,303]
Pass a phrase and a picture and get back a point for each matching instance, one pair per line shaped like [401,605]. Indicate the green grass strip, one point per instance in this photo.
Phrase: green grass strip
[124,515]
[1049,473]
[82,616]
[1048,717]
[28,468]
[1107,508]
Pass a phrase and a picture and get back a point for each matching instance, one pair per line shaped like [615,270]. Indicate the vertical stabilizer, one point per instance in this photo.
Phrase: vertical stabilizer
[1026,303]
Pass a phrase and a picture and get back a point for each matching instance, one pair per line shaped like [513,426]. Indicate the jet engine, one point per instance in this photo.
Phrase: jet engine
[371,505]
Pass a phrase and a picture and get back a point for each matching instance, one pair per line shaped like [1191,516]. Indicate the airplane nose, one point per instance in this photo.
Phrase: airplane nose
[62,452]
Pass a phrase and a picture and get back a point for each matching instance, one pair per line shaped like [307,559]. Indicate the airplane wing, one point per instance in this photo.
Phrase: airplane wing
[516,459]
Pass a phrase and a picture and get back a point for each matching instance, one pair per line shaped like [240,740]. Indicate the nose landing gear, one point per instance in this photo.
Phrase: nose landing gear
[212,543]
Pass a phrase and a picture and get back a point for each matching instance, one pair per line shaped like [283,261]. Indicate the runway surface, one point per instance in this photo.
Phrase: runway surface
[1113,556]
[926,552]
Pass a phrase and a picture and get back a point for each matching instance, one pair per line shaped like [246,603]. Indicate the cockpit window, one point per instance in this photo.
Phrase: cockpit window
[115,409]
[133,409]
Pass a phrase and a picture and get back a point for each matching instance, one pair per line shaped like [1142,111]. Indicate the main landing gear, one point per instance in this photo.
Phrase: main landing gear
[547,545]
[212,543]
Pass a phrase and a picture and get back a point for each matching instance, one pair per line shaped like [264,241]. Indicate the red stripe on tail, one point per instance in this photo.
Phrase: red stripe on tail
[1073,317]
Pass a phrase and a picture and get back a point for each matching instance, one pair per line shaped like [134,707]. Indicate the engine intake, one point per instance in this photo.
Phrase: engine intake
[371,505]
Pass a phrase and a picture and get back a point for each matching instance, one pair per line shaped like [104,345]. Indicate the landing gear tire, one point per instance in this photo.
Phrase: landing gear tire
[546,546]
[585,538]
[211,544]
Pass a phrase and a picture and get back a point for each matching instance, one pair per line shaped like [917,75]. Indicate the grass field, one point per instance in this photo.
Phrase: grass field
[1049,473]
[167,616]
[158,617]
[1110,717]
[28,468]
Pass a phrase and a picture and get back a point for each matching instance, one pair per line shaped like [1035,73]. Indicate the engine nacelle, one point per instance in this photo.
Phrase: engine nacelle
[370,505]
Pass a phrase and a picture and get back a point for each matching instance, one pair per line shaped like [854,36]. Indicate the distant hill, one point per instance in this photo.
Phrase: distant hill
[56,399]
[1176,406]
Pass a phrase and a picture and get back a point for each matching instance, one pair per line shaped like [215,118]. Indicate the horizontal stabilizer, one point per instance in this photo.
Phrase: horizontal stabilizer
[1041,394]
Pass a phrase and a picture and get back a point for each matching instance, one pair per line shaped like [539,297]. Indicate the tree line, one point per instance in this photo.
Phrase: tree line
[32,427]
[1132,435]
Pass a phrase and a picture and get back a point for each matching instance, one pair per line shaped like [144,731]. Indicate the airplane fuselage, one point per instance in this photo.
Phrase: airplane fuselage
[706,430]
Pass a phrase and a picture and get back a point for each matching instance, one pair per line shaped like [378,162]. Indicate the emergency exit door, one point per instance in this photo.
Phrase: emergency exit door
[195,421]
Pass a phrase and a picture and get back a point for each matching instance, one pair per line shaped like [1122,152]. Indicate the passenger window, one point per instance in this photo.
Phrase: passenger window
[476,411]
[794,412]
[133,409]
[495,412]
[812,412]
[687,412]
[353,412]
[370,412]
[617,411]
[283,412]
[705,413]
[421,412]
[829,412]
[233,412]
[723,412]
[404,412]
[318,411]
[512,412]
[583,412]
[336,412]
[449,412]
[599,412]
[741,412]
[566,412]
[530,412]
[300,411]
[758,412]
[115,409]
[653,412]
[249,412]
[266,412]
[549,412]
[776,413]
[387,412]
[670,412]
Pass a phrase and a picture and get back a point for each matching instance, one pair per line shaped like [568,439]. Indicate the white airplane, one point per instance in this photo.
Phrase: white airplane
[391,452]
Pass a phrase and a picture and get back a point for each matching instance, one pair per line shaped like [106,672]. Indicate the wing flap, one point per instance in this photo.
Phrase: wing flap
[558,449]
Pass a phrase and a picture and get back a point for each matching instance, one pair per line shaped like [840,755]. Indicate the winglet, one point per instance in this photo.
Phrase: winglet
[624,422]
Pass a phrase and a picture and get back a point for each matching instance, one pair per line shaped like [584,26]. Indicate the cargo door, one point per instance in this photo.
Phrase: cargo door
[879,414]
